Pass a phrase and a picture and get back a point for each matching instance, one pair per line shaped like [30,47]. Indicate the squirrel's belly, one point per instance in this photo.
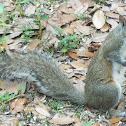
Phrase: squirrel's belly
[118,72]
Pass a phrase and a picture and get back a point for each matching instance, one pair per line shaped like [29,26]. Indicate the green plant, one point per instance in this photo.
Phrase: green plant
[81,16]
[51,1]
[45,123]
[27,33]
[89,123]
[23,1]
[56,105]
[6,96]
[38,17]
[68,42]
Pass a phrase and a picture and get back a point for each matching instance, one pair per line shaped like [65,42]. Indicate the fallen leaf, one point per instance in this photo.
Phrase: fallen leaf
[68,29]
[76,4]
[63,8]
[78,64]
[63,120]
[32,46]
[30,10]
[14,122]
[9,41]
[73,55]
[115,119]
[98,19]
[10,86]
[64,66]
[112,15]
[17,105]
[85,54]
[112,22]
[90,3]
[95,124]
[67,18]
[55,22]
[99,37]
[42,111]
[105,28]
[15,34]
[121,11]
[86,30]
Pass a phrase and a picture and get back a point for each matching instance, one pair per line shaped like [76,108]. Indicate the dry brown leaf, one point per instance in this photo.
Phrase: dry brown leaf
[15,34]
[105,8]
[65,9]
[9,41]
[63,120]
[105,28]
[14,122]
[79,85]
[73,55]
[114,5]
[86,30]
[78,124]
[78,64]
[67,18]
[31,109]
[64,66]
[17,105]
[41,110]
[81,9]
[55,22]
[32,46]
[121,11]
[99,37]
[112,22]
[68,29]
[112,15]
[8,5]
[10,86]
[98,19]
[89,2]
[76,4]
[114,120]
[85,54]
[30,10]
[70,75]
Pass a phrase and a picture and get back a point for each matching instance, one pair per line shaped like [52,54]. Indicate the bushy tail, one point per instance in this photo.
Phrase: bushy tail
[41,69]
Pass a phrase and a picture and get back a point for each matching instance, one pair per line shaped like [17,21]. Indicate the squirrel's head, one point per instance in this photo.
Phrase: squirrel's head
[122,26]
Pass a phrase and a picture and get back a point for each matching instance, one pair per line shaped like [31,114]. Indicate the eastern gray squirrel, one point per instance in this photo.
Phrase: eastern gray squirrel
[105,73]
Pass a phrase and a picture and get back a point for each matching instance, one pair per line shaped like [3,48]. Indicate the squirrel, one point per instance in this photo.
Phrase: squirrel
[105,74]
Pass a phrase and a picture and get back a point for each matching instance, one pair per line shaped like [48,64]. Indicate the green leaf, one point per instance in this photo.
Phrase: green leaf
[2,39]
[28,32]
[24,1]
[64,50]
[44,17]
[22,36]
[89,123]
[41,9]
[58,31]
[32,16]
[51,1]
[1,8]
[36,22]
[73,45]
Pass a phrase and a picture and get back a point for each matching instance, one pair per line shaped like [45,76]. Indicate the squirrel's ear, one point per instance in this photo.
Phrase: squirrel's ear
[122,20]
